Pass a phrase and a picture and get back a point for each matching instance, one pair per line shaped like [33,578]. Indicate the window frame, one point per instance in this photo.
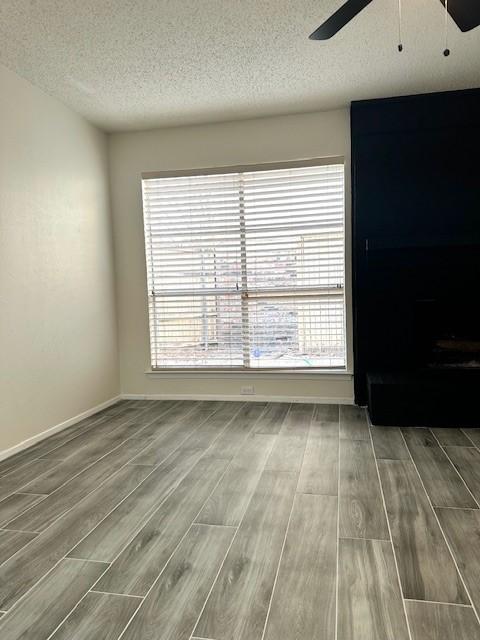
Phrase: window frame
[242,369]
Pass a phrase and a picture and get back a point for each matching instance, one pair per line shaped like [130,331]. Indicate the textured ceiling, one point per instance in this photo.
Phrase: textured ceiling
[135,64]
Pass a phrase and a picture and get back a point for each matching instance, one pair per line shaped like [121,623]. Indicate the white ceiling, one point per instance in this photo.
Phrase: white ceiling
[135,64]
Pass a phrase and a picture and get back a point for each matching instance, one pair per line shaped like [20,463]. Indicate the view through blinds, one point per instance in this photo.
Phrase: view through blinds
[246,270]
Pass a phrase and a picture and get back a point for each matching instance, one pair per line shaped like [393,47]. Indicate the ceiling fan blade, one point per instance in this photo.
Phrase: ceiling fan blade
[341,17]
[466,13]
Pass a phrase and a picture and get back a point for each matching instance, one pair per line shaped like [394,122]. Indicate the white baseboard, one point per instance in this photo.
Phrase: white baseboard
[6,453]
[236,398]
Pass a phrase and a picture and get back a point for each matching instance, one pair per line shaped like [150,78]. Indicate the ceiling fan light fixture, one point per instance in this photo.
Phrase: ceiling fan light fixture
[465,13]
[400,39]
[446,51]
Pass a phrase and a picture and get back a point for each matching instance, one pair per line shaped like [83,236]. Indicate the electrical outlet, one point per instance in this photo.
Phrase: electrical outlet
[247,391]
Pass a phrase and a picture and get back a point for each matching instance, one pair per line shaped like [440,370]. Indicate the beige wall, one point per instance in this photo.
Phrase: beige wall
[237,143]
[58,343]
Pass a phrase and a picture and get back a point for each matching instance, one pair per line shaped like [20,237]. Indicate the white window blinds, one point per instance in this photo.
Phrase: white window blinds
[246,270]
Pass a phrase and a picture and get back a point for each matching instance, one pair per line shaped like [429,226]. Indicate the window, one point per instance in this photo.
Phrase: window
[246,269]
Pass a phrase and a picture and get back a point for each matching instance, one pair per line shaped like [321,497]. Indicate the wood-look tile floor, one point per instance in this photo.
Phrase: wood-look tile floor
[228,521]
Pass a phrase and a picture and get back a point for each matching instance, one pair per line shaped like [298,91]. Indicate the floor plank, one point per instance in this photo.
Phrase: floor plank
[150,409]
[91,445]
[303,603]
[473,435]
[13,541]
[48,444]
[361,507]
[327,414]
[467,462]
[270,422]
[419,436]
[389,444]
[50,601]
[238,605]
[62,473]
[17,461]
[319,471]
[126,420]
[325,421]
[209,431]
[426,568]
[431,621]
[182,413]
[287,453]
[442,483]
[167,442]
[17,479]
[106,541]
[353,423]
[462,528]
[176,600]
[232,437]
[451,437]
[139,565]
[163,446]
[228,502]
[88,447]
[24,569]
[81,454]
[67,496]
[370,604]
[16,504]
[99,616]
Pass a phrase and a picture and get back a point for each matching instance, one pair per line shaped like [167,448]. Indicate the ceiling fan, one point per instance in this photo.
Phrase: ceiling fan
[466,13]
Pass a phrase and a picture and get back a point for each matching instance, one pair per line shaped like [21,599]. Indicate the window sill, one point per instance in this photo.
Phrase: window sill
[285,374]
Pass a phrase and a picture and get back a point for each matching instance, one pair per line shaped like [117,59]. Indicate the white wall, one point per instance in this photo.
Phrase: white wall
[275,139]
[58,341]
